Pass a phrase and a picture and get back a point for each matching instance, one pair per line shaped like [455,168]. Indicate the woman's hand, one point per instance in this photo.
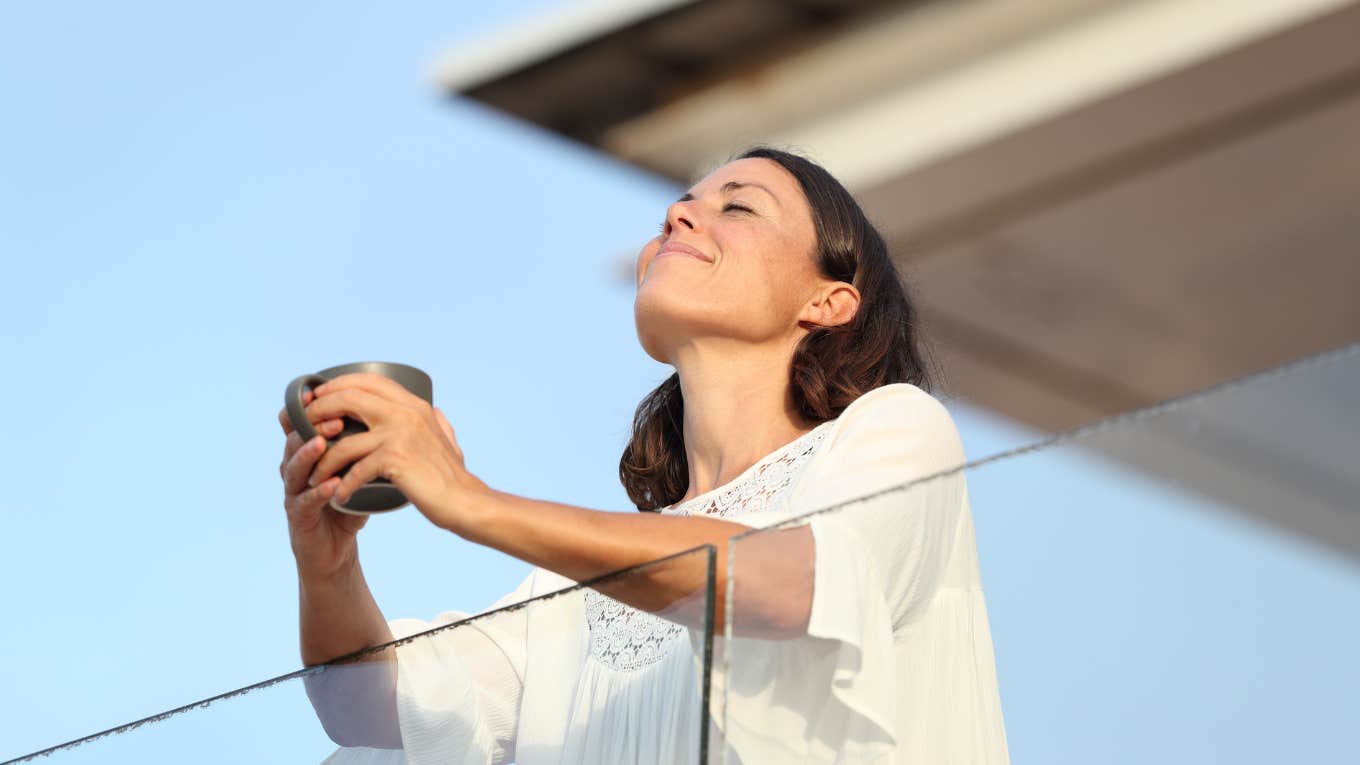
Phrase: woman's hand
[323,540]
[408,442]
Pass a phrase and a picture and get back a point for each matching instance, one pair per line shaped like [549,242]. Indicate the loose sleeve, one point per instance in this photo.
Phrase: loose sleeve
[878,559]
[458,690]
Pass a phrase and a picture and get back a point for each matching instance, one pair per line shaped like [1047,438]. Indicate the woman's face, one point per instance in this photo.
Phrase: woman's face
[734,260]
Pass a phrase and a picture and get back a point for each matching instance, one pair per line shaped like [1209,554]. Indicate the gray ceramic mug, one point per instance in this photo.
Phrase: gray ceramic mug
[378,495]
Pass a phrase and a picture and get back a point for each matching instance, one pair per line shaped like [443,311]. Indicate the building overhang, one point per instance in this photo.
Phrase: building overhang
[1099,204]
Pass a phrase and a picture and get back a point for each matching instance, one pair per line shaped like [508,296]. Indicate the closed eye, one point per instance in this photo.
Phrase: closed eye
[726,207]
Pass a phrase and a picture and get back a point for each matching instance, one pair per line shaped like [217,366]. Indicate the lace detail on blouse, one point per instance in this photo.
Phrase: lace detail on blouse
[625,638]
[762,488]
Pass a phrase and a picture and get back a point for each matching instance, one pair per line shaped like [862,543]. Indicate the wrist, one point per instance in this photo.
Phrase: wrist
[338,578]
[478,504]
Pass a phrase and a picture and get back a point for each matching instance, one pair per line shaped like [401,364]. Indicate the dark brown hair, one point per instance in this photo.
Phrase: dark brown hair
[831,367]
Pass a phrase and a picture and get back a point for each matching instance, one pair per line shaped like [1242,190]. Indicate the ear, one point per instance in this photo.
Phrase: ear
[835,303]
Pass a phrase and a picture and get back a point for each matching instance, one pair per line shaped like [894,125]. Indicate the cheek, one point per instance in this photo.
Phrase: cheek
[749,298]
[779,277]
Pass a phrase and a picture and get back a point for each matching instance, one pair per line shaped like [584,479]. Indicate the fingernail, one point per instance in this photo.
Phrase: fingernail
[312,480]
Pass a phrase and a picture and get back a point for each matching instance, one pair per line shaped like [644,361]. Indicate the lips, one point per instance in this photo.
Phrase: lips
[680,248]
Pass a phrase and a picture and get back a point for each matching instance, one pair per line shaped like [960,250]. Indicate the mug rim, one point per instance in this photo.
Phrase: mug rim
[361,366]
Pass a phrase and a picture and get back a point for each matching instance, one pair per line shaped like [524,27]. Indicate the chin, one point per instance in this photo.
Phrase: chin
[655,328]
[664,319]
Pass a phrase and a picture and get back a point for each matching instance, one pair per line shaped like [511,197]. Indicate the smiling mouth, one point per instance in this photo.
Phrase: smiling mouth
[676,248]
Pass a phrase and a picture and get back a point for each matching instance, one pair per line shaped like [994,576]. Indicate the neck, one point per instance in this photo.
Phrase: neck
[738,409]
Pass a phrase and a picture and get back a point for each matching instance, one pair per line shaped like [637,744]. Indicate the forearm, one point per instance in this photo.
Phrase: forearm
[338,616]
[355,702]
[581,544]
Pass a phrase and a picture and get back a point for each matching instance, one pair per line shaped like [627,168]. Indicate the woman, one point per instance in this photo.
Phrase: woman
[798,386]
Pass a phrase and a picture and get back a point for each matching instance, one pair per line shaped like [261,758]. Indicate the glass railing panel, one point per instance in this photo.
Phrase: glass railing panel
[1181,584]
[807,664]
[554,672]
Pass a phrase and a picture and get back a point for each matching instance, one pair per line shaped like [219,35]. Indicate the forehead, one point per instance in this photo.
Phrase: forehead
[755,170]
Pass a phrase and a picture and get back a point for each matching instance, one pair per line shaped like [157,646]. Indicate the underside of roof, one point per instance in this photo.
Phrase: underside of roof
[1098,204]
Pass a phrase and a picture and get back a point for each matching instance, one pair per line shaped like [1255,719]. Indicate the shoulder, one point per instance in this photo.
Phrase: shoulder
[902,401]
[898,407]
[890,436]
[899,421]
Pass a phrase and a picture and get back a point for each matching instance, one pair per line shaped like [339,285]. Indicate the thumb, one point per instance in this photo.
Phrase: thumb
[349,523]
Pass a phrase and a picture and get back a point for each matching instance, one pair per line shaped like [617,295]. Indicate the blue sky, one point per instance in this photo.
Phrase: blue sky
[199,202]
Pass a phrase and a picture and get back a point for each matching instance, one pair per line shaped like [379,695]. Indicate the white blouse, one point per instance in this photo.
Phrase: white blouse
[896,667]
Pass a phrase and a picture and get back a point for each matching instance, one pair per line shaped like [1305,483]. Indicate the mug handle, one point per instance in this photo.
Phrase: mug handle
[297,413]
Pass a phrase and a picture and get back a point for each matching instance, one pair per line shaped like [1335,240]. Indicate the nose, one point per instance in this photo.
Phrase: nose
[677,215]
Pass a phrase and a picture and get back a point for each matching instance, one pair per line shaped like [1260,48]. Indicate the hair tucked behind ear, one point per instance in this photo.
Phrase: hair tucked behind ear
[831,367]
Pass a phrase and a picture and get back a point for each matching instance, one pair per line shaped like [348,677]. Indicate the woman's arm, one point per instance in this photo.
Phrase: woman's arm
[356,703]
[580,544]
[412,445]
[338,616]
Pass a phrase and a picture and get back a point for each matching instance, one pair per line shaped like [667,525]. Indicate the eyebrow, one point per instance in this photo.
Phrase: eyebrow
[733,186]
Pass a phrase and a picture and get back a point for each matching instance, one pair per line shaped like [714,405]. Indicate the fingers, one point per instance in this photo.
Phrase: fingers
[328,429]
[287,423]
[305,507]
[360,473]
[355,402]
[297,467]
[379,385]
[346,450]
[290,447]
[300,458]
